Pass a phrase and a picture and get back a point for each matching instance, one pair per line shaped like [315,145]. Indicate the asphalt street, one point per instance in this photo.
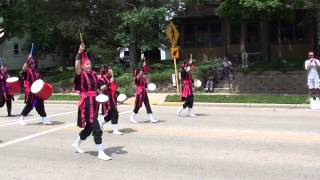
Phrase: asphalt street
[221,143]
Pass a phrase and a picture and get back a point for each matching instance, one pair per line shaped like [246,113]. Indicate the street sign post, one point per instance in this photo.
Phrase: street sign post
[173,36]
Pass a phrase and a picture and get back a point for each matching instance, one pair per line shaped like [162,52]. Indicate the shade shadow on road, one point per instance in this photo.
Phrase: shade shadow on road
[54,123]
[147,121]
[124,130]
[109,151]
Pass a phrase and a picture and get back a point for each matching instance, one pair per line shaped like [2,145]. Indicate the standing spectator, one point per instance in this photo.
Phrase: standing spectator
[312,65]
[244,59]
[210,80]
[227,67]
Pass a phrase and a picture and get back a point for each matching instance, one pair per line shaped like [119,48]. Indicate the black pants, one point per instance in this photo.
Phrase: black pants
[113,115]
[189,102]
[39,107]
[146,104]
[8,102]
[91,128]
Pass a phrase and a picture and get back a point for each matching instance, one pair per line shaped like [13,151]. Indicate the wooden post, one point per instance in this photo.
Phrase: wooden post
[176,74]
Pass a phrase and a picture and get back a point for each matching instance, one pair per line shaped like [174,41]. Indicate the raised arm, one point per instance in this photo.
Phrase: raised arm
[25,67]
[78,59]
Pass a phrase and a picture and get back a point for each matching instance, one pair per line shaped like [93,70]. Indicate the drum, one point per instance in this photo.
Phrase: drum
[41,89]
[197,83]
[152,86]
[121,98]
[13,85]
[101,98]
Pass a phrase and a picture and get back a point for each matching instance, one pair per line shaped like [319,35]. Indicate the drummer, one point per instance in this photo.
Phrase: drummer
[86,81]
[140,81]
[30,75]
[109,108]
[5,97]
[187,94]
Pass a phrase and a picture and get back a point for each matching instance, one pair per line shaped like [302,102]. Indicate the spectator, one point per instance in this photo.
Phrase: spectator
[244,58]
[312,65]
[227,67]
[210,80]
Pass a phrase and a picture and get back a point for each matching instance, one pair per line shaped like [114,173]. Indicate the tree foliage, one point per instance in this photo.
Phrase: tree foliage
[233,9]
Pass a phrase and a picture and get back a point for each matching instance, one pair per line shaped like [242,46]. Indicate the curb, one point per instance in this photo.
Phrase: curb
[242,105]
[227,105]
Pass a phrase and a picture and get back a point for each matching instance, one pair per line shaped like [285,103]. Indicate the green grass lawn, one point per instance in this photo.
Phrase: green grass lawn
[59,98]
[266,99]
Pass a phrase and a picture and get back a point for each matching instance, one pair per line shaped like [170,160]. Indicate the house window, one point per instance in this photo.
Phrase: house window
[202,35]
[16,49]
[216,37]
[235,33]
[189,35]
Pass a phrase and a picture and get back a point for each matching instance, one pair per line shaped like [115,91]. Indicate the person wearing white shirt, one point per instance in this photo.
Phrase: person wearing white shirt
[312,65]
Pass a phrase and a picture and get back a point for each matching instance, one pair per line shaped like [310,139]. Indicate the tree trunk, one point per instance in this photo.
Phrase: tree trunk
[243,36]
[133,50]
[318,30]
[264,39]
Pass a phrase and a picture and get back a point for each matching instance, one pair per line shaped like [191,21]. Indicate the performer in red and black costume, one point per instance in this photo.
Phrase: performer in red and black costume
[86,82]
[5,98]
[109,108]
[187,93]
[30,75]
[140,81]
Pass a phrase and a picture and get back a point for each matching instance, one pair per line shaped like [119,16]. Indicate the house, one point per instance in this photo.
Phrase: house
[206,35]
[11,52]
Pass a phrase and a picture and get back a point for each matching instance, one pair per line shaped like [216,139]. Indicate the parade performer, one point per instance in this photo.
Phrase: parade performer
[5,97]
[30,75]
[187,93]
[86,82]
[109,108]
[312,65]
[140,81]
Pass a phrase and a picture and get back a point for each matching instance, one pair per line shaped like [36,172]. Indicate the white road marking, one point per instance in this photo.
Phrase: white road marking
[33,119]
[35,135]
[45,132]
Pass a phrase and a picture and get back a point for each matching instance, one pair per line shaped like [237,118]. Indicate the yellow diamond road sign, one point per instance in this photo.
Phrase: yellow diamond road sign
[172,34]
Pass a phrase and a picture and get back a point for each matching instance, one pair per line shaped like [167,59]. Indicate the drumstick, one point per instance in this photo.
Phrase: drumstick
[32,45]
[81,40]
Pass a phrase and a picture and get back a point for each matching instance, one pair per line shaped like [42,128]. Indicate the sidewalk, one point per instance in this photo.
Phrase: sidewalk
[159,99]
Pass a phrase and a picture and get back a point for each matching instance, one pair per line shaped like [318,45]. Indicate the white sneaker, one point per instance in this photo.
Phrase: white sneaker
[116,130]
[133,118]
[151,119]
[180,109]
[190,113]
[76,145]
[21,121]
[45,121]
[101,154]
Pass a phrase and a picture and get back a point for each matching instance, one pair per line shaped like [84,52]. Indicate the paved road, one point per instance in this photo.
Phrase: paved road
[221,143]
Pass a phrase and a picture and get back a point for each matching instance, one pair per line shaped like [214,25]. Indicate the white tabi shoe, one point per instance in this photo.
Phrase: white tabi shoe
[101,154]
[46,121]
[21,121]
[76,145]
[116,130]
[190,113]
[102,122]
[133,118]
[180,109]
[151,119]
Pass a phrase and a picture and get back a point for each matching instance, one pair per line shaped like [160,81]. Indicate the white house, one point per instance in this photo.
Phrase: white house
[14,57]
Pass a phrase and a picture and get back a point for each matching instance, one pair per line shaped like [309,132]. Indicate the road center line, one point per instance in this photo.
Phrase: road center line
[33,119]
[45,132]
